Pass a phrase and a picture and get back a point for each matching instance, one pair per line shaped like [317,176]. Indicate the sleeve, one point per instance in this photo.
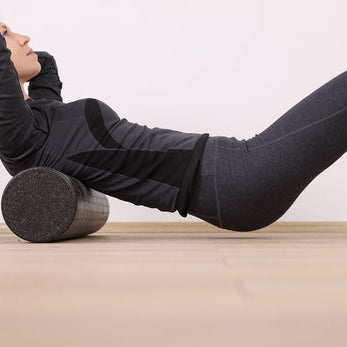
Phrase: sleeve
[18,135]
[46,84]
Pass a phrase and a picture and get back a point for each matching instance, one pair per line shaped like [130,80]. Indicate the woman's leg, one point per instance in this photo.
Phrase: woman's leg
[248,184]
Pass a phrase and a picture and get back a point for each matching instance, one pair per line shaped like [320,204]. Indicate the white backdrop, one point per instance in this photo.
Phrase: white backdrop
[228,68]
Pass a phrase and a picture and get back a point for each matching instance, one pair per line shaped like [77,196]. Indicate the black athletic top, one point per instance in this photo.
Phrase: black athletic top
[86,139]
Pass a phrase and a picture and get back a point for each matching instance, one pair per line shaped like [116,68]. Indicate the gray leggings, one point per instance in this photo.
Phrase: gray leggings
[248,184]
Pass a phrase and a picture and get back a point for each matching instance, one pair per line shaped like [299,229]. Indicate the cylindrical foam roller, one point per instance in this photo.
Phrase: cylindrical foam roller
[41,204]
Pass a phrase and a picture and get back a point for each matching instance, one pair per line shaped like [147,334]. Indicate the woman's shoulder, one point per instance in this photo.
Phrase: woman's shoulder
[55,109]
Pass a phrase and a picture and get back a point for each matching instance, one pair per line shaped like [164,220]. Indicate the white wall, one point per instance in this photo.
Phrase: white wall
[225,67]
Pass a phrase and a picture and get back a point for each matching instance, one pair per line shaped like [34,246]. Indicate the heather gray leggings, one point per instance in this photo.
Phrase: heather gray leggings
[248,184]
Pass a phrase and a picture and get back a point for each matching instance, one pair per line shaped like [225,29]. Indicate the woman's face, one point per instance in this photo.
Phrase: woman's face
[27,66]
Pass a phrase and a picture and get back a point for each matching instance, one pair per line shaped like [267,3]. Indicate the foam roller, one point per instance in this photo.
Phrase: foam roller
[41,204]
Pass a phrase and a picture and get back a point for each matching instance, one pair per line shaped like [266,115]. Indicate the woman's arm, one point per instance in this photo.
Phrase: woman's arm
[18,135]
[46,84]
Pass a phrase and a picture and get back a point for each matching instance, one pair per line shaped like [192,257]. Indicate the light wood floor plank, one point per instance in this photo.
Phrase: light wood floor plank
[203,227]
[168,289]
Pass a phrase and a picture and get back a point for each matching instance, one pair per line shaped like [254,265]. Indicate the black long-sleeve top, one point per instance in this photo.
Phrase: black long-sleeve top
[86,139]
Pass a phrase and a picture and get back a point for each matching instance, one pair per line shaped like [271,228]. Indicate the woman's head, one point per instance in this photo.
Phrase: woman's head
[27,66]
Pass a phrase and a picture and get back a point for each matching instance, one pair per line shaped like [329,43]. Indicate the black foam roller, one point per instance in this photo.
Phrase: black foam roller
[41,204]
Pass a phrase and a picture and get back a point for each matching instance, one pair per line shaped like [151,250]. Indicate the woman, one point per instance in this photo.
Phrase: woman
[240,185]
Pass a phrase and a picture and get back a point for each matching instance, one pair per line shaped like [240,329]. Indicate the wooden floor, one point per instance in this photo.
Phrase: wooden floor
[135,288]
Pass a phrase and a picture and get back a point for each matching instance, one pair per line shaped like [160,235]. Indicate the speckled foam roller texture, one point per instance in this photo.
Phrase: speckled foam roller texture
[41,205]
